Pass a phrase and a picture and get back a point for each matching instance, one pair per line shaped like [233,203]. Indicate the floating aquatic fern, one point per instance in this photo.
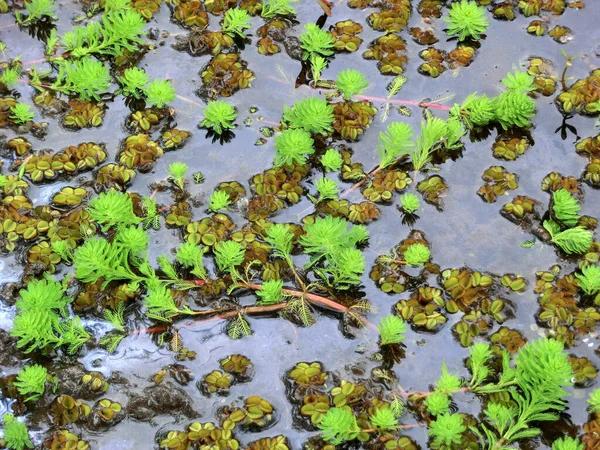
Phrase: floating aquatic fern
[572,240]
[410,203]
[236,20]
[417,254]
[338,425]
[85,78]
[219,200]
[112,208]
[16,434]
[394,143]
[332,160]
[159,93]
[219,116]
[270,292]
[589,279]
[314,40]
[272,8]
[21,113]
[327,188]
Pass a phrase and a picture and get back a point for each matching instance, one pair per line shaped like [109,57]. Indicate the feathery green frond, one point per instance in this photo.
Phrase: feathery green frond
[133,82]
[514,109]
[190,255]
[236,20]
[410,203]
[117,318]
[16,434]
[345,268]
[97,258]
[437,403]
[332,160]
[589,279]
[327,188]
[479,109]
[219,200]
[159,303]
[467,20]
[417,254]
[219,116]
[64,249]
[392,329]
[314,40]
[292,146]
[46,293]
[447,429]
[351,82]
[279,237]
[455,131]
[338,425]
[112,208]
[133,240]
[317,65]
[177,171]
[85,78]
[447,383]
[395,86]
[37,10]
[159,93]
[9,77]
[270,292]
[394,143]
[383,419]
[594,401]
[566,207]
[228,254]
[239,327]
[21,113]
[500,416]
[272,8]
[480,356]
[313,114]
[31,381]
[568,443]
[519,81]
[573,240]
[433,133]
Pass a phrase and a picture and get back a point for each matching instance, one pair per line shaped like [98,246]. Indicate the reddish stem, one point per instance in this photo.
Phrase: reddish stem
[370,175]
[405,102]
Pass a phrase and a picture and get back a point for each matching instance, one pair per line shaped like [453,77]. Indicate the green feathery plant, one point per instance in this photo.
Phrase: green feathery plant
[478,110]
[392,329]
[236,20]
[219,116]
[446,430]
[21,113]
[10,77]
[565,207]
[384,419]
[159,93]
[594,401]
[514,109]
[16,434]
[42,320]
[228,255]
[270,293]
[36,10]
[568,443]
[317,65]
[447,383]
[190,255]
[272,8]
[315,41]
[133,82]
[113,208]
[177,171]
[416,255]
[292,146]
[467,20]
[575,240]
[219,200]
[350,82]
[410,203]
[396,85]
[437,403]
[31,382]
[328,189]
[152,218]
[64,249]
[434,131]
[332,160]
[519,81]
[394,143]
[338,425]
[589,279]
[85,78]
[313,114]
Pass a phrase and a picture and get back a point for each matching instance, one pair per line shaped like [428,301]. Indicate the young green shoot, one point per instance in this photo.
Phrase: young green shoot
[219,200]
[21,113]
[219,116]
[177,171]
[392,329]
[332,160]
[236,20]
[351,82]
[467,20]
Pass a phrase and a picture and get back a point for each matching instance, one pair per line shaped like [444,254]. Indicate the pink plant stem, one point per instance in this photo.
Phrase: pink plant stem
[427,393]
[404,102]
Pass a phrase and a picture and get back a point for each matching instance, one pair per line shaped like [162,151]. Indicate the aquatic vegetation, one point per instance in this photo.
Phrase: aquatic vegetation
[31,381]
[21,113]
[219,116]
[159,93]
[273,8]
[513,108]
[315,41]
[177,171]
[219,200]
[567,443]
[312,114]
[392,329]
[351,82]
[112,208]
[292,146]
[565,207]
[572,240]
[86,78]
[327,188]
[394,143]
[467,20]
[410,203]
[589,279]
[594,401]
[36,10]
[447,429]
[338,425]
[417,254]
[16,434]
[10,77]
[332,160]
[235,21]
[133,82]
[519,81]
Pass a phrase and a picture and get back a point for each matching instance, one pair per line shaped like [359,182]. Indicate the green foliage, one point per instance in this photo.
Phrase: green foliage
[332,160]
[279,237]
[116,318]
[9,77]
[433,133]
[64,249]
[270,292]
[152,219]
[573,240]
[327,188]
[395,86]
[177,171]
[338,425]
[219,200]
[16,434]
[567,443]
[31,382]
[112,208]
[479,110]
[480,356]
[42,319]
[85,78]
[236,20]
[589,279]
[383,419]
[314,40]
[159,93]
[219,116]
[37,10]
[190,255]
[317,65]
[239,327]
[292,146]
[313,114]
[351,82]
[447,429]
[514,109]
[447,383]
[566,207]
[519,81]
[159,302]
[410,203]
[417,255]
[229,254]
[272,8]
[120,30]
[437,403]
[594,401]
[467,20]
[394,143]
[132,240]
[392,329]
[133,82]
[21,113]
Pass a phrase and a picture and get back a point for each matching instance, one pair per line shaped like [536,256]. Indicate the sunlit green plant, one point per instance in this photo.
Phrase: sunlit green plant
[219,116]
[236,20]
[383,419]
[338,425]
[519,81]
[567,443]
[332,160]
[351,82]
[159,93]
[410,203]
[219,200]
[21,113]
[271,292]
[16,434]
[566,207]
[31,381]
[292,146]
[478,109]
[594,401]
[437,403]
[272,8]
[10,77]
[328,189]
[447,429]
[111,208]
[133,82]
[514,109]
[36,10]
[391,329]
[177,171]
[447,383]
[190,255]
[317,65]
[314,40]
[589,279]
[228,255]
[417,254]
[467,20]
[85,78]
[313,114]
[572,240]
[394,143]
